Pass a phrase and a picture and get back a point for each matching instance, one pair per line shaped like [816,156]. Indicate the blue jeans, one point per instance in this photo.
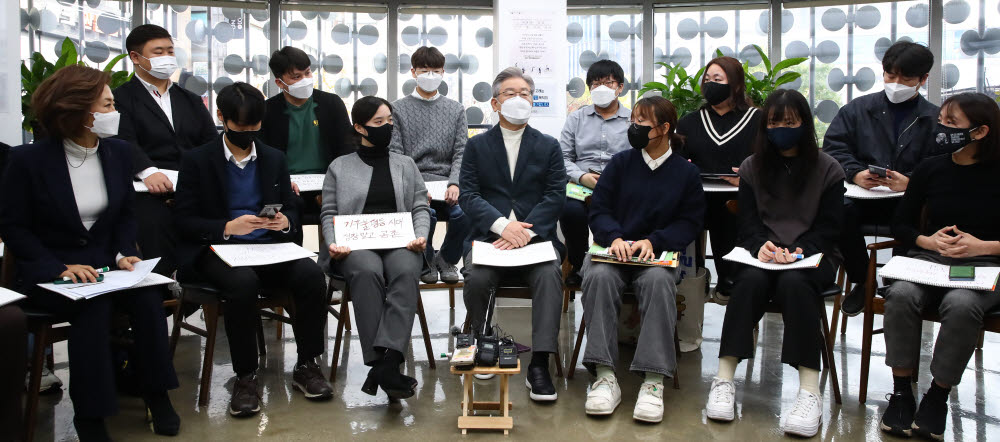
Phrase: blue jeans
[456,241]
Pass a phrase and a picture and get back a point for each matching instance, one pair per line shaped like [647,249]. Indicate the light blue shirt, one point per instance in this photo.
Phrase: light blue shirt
[589,141]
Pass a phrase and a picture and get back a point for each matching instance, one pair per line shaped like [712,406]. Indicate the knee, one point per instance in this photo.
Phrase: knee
[902,295]
[599,273]
[477,280]
[750,280]
[961,305]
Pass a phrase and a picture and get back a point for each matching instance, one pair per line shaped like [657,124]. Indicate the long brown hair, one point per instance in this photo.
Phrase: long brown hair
[737,81]
[62,102]
[768,161]
[662,111]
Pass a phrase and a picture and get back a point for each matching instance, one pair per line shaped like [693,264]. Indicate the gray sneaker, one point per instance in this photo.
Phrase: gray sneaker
[429,275]
[449,273]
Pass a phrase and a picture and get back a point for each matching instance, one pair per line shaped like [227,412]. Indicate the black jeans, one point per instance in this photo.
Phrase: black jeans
[796,292]
[13,341]
[240,288]
[858,213]
[723,227]
[576,229]
[92,385]
[156,234]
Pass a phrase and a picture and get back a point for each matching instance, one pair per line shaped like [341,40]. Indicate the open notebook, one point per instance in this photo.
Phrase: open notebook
[919,271]
[741,255]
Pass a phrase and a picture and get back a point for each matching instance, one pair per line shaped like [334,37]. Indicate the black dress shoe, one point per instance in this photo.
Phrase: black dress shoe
[91,429]
[854,303]
[898,416]
[160,414]
[540,383]
[574,280]
[389,378]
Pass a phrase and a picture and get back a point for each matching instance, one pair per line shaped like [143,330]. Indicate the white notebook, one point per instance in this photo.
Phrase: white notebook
[880,192]
[742,256]
[919,271]
[484,254]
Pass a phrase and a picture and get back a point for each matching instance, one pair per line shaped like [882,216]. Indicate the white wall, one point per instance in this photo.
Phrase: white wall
[10,74]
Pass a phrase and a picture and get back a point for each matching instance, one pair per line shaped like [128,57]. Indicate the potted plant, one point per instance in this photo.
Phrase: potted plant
[42,69]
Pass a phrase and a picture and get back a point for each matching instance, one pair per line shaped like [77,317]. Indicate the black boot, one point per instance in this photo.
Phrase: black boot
[160,413]
[389,378]
[91,429]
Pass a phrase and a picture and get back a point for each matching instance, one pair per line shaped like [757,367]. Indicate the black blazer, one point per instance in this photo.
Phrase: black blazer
[39,219]
[537,193]
[335,130]
[144,124]
[201,199]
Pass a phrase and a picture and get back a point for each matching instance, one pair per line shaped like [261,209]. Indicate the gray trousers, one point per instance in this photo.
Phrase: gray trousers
[961,312]
[545,281]
[384,290]
[655,288]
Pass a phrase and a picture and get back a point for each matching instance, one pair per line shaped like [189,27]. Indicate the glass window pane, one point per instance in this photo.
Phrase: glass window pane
[467,44]
[102,25]
[594,37]
[215,47]
[971,47]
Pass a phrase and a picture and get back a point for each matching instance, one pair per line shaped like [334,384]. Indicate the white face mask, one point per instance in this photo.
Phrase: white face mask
[516,110]
[898,93]
[105,124]
[602,96]
[301,89]
[161,67]
[429,81]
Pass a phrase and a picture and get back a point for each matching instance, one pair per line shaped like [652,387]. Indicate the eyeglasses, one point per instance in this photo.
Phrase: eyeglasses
[424,71]
[523,93]
[611,84]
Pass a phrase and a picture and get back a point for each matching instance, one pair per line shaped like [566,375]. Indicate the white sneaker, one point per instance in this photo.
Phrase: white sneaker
[484,377]
[721,401]
[50,382]
[649,404]
[604,396]
[806,416]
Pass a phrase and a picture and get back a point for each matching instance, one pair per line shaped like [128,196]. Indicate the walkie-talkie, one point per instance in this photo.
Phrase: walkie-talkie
[487,351]
[508,355]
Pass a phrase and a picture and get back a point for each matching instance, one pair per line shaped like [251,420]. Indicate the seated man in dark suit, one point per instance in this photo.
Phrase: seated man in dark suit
[162,120]
[224,185]
[513,188]
[309,125]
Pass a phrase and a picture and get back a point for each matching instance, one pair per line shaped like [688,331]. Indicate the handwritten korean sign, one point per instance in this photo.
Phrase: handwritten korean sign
[372,232]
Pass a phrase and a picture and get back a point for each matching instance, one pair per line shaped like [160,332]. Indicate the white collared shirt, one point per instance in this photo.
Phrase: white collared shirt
[163,100]
[512,143]
[653,164]
[246,160]
[417,95]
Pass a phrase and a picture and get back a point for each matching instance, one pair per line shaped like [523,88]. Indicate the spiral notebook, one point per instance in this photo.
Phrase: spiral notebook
[901,268]
[666,259]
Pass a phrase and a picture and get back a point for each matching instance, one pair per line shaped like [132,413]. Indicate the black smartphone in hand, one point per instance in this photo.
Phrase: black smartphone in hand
[269,211]
[881,172]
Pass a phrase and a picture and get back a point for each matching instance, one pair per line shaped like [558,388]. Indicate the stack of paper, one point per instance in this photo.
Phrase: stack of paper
[312,182]
[171,175]
[879,192]
[9,296]
[718,187]
[924,272]
[578,192]
[484,254]
[666,259]
[141,276]
[248,255]
[742,256]
[436,189]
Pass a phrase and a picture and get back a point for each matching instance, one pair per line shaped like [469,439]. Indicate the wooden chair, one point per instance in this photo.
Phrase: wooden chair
[208,297]
[627,298]
[337,282]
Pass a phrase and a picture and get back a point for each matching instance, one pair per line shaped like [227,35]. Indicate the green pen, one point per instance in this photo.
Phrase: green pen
[66,280]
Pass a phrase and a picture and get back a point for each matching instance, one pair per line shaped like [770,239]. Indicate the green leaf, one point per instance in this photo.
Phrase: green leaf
[69,51]
[763,56]
[718,53]
[111,64]
[787,63]
[787,77]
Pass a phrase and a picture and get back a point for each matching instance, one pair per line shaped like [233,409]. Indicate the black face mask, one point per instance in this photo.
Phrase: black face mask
[638,136]
[715,93]
[784,138]
[379,136]
[242,139]
[951,139]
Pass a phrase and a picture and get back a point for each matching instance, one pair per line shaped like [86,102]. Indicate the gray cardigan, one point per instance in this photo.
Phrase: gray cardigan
[345,190]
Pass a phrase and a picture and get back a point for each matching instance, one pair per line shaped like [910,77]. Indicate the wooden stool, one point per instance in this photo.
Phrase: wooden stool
[466,421]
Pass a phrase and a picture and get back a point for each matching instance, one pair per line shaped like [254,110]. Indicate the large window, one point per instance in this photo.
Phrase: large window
[603,35]
[466,40]
[100,25]
[970,46]
[347,48]
[216,46]
[845,45]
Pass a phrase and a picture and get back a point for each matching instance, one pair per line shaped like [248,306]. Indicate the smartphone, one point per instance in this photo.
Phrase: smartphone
[881,172]
[269,211]
[718,176]
[962,273]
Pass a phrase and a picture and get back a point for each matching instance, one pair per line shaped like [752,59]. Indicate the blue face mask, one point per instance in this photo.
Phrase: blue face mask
[785,138]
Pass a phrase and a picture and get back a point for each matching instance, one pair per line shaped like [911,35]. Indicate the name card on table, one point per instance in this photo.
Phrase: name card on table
[375,231]
[484,254]
[310,182]
[245,255]
[171,175]
[436,189]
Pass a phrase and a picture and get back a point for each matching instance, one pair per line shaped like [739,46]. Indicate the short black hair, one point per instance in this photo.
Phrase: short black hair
[908,59]
[604,69]
[240,103]
[366,108]
[141,34]
[427,57]
[286,58]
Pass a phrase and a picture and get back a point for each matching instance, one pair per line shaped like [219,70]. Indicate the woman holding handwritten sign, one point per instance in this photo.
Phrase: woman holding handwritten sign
[957,195]
[791,204]
[383,282]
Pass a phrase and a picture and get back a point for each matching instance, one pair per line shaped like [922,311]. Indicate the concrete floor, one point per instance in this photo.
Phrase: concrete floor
[764,389]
